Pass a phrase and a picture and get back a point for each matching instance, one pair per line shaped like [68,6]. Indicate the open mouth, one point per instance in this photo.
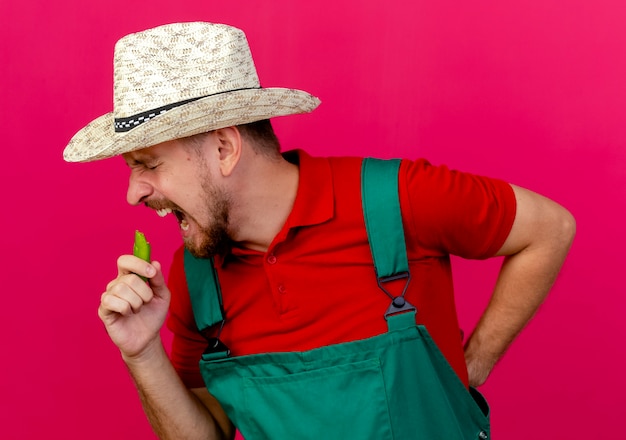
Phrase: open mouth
[182,221]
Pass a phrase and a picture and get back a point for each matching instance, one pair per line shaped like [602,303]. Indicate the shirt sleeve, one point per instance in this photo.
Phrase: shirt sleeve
[455,213]
[187,343]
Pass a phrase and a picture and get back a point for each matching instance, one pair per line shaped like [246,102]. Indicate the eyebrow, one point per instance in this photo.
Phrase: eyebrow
[138,158]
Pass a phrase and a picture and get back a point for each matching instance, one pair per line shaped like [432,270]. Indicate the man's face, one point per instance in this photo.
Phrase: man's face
[173,178]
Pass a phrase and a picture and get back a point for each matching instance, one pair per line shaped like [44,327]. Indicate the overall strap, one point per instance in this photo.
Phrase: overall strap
[383,222]
[204,291]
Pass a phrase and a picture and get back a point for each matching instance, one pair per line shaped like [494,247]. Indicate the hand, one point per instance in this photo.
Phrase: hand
[132,310]
[478,370]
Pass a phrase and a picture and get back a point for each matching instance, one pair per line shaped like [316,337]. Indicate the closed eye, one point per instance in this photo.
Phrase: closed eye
[141,165]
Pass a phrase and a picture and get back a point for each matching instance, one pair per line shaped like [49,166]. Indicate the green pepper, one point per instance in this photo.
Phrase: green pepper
[141,249]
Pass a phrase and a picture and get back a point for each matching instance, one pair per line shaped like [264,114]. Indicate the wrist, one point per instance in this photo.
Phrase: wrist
[480,359]
[147,356]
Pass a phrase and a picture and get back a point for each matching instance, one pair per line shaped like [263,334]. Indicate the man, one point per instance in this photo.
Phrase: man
[288,245]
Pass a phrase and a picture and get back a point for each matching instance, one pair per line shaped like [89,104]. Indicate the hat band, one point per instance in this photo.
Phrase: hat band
[123,125]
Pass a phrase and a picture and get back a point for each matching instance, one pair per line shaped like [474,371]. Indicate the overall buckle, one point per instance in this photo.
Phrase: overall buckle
[215,347]
[398,303]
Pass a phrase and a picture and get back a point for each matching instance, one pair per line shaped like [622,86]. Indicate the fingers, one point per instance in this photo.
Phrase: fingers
[157,282]
[127,264]
[126,295]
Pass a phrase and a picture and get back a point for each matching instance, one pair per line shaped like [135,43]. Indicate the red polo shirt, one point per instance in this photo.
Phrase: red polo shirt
[316,285]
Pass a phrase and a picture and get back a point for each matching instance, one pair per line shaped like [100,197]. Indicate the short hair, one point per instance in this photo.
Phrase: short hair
[259,134]
[262,137]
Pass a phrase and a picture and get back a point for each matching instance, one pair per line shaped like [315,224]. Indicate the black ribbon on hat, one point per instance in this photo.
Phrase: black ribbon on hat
[123,125]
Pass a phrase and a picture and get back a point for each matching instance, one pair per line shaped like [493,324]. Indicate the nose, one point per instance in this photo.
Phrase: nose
[138,190]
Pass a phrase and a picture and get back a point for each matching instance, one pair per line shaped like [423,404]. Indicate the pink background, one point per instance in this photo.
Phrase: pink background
[532,92]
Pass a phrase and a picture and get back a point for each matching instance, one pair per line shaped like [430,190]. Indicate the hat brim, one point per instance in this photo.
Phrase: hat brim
[98,140]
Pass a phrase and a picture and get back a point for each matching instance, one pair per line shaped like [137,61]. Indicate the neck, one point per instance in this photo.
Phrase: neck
[264,198]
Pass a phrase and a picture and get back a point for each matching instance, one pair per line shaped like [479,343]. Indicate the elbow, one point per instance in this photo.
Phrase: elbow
[566,229]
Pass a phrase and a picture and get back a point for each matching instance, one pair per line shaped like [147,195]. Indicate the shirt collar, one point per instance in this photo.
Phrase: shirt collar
[314,203]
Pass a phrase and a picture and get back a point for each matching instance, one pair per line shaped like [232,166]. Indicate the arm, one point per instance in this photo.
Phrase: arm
[534,252]
[133,313]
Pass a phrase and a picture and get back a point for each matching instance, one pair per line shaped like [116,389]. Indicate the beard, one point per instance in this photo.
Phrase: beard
[213,238]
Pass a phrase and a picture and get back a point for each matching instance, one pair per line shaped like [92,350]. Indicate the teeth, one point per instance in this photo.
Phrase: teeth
[184,225]
[163,212]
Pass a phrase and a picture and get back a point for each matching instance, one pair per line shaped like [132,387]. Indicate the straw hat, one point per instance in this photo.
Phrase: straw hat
[178,80]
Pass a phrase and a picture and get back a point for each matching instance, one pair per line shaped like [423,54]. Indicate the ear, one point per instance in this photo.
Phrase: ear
[229,149]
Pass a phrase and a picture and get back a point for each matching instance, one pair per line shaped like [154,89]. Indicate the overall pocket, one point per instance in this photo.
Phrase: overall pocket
[394,386]
[441,406]
[346,401]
